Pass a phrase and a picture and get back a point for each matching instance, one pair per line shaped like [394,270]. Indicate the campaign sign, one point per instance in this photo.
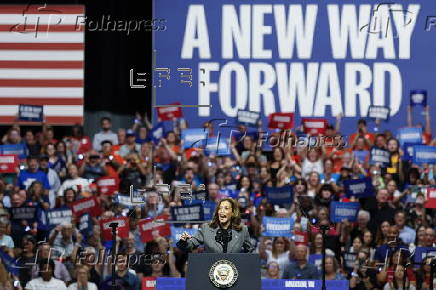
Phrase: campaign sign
[431,198]
[232,193]
[379,112]
[107,185]
[122,229]
[148,283]
[193,212]
[414,190]
[84,224]
[149,228]
[422,252]
[8,163]
[218,146]
[340,211]
[248,118]
[281,121]
[194,138]
[85,205]
[361,155]
[314,58]
[128,201]
[424,154]
[300,238]
[279,195]
[409,135]
[408,151]
[379,156]
[199,195]
[16,149]
[23,213]
[314,126]
[208,207]
[59,216]
[359,188]
[30,113]
[277,227]
[157,133]
[280,284]
[418,97]
[349,260]
[169,113]
[177,232]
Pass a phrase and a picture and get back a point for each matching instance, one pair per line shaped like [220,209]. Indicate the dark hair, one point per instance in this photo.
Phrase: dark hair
[327,187]
[106,141]
[361,121]
[235,220]
[105,119]
[79,129]
[286,243]
[43,264]
[398,144]
[302,181]
[30,157]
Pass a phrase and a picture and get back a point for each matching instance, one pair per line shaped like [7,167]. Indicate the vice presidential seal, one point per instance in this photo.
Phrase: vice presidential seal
[223,274]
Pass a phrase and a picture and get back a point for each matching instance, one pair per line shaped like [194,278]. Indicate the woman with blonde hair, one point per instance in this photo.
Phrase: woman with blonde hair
[82,279]
[279,253]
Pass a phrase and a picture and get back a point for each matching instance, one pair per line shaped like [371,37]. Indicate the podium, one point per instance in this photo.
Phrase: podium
[223,271]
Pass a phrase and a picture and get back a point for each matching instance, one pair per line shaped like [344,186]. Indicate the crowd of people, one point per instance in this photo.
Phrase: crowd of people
[374,252]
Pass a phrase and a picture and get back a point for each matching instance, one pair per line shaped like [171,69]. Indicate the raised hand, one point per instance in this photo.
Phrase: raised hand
[185,236]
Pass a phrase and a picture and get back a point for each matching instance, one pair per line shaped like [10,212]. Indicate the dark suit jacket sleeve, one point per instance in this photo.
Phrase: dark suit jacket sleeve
[285,274]
[248,247]
[196,240]
[316,275]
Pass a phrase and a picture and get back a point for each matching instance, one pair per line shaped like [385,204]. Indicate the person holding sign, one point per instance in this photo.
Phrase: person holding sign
[224,234]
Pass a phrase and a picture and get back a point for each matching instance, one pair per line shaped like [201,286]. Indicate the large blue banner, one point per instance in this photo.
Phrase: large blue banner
[279,195]
[359,188]
[314,58]
[164,283]
[340,211]
[424,154]
[16,149]
[409,135]
[277,227]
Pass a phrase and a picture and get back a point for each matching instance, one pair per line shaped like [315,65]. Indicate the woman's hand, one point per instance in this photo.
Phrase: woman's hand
[185,236]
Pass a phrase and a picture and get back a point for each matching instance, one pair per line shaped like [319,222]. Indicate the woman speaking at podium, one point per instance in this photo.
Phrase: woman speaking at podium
[224,234]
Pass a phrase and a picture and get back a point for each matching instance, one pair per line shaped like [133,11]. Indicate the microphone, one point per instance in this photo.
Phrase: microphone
[223,237]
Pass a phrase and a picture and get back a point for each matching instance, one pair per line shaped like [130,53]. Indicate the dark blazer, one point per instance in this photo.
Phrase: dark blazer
[240,242]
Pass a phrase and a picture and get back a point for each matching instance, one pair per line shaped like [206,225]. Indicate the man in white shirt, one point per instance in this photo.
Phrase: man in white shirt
[46,281]
[53,179]
[104,134]
[5,240]
[407,234]
[79,184]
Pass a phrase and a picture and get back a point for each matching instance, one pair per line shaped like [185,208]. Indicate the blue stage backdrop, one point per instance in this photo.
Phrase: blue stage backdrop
[314,58]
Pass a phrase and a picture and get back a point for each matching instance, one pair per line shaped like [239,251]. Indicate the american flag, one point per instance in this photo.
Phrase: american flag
[42,61]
